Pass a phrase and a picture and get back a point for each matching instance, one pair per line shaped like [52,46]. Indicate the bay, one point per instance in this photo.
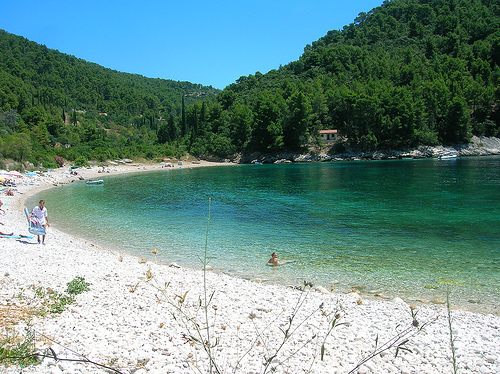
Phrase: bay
[408,228]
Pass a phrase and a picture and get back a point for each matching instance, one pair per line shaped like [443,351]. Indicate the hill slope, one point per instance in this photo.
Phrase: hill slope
[404,74]
[57,98]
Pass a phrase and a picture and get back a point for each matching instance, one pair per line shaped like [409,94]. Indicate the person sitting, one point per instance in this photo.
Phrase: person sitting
[273,260]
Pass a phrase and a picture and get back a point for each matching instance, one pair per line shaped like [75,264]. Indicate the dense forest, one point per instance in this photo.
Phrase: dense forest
[52,104]
[405,74]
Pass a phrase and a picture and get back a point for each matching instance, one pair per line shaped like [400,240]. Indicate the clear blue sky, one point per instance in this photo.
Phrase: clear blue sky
[208,42]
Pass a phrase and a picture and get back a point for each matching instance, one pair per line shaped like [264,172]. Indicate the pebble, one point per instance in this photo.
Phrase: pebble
[490,359]
[485,370]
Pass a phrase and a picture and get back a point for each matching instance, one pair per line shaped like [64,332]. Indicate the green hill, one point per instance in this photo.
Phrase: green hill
[405,74]
[49,99]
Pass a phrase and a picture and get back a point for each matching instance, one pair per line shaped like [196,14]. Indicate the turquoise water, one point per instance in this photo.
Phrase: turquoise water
[408,228]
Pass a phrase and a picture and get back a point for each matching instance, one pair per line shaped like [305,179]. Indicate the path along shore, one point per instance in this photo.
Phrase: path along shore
[142,317]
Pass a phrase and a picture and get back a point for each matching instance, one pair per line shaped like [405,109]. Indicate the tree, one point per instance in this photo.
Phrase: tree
[9,122]
[458,123]
[183,118]
[267,133]
[17,147]
[298,121]
[241,119]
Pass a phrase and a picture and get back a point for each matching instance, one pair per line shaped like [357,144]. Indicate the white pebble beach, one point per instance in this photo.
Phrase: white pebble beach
[140,316]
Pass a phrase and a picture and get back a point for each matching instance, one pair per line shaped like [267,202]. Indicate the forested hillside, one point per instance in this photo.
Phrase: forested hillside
[404,74]
[52,103]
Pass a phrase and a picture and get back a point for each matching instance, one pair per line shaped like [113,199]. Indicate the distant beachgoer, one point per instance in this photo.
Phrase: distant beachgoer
[1,210]
[40,214]
[273,260]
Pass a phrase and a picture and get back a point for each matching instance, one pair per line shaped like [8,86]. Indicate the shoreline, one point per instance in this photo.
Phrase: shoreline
[126,318]
[478,146]
[425,296]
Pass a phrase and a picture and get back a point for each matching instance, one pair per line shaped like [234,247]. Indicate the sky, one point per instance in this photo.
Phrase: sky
[208,42]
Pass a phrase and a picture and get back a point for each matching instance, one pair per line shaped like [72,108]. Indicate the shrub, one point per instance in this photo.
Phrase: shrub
[58,302]
[49,164]
[77,286]
[81,161]
[17,351]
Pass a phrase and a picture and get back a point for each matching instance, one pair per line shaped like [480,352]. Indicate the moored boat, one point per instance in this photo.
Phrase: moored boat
[450,156]
[95,182]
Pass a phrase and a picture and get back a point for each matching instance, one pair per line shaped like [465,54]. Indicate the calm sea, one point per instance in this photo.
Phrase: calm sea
[409,228]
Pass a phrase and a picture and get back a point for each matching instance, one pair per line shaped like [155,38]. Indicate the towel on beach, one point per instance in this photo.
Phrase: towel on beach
[16,236]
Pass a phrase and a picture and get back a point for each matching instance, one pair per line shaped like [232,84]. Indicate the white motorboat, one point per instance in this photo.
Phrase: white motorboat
[450,156]
[95,182]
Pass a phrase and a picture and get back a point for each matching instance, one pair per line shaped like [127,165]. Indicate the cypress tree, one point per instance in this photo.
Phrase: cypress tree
[184,124]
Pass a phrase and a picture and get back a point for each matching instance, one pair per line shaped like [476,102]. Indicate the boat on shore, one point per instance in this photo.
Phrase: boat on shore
[95,182]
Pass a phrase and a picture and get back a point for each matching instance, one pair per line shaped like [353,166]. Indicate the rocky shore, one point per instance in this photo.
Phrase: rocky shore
[479,146]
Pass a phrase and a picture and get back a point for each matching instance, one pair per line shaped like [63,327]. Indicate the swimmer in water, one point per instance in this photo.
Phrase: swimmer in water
[273,260]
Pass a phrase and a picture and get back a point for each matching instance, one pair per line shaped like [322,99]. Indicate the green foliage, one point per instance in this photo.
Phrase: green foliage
[57,302]
[404,74]
[16,146]
[54,302]
[20,351]
[49,163]
[9,122]
[81,161]
[72,108]
[77,285]
[407,73]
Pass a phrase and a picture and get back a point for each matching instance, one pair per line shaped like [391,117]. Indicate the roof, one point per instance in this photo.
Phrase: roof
[327,131]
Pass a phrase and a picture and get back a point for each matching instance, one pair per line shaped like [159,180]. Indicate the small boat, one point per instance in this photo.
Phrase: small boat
[95,182]
[450,156]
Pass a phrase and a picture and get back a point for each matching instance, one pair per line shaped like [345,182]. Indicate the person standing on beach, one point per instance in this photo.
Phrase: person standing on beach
[40,213]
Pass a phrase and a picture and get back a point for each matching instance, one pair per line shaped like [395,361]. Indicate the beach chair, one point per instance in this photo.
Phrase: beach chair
[33,227]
